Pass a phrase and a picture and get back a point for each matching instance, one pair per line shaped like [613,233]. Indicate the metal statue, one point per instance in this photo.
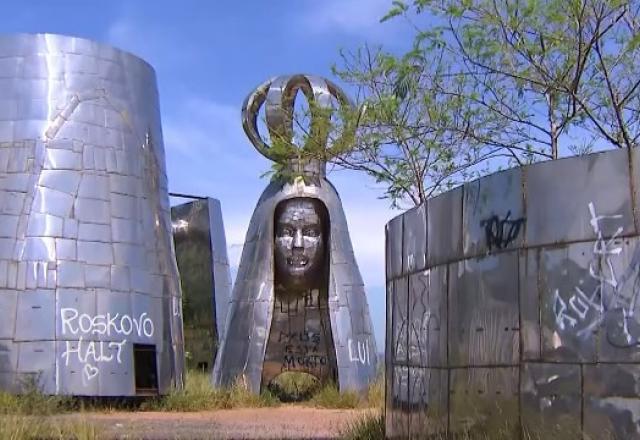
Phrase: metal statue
[298,303]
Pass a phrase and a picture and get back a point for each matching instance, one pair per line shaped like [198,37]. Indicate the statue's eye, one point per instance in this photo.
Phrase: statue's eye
[286,232]
[311,232]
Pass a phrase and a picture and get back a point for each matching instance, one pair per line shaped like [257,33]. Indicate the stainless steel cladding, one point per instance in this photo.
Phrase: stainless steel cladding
[298,302]
[201,251]
[90,299]
[512,305]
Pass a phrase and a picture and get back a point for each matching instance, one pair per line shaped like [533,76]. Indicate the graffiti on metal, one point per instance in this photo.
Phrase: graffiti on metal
[91,353]
[500,232]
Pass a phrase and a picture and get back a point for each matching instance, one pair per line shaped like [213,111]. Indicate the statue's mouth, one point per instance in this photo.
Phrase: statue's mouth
[297,261]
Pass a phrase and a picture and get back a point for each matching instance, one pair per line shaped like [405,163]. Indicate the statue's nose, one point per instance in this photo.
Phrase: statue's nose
[297,239]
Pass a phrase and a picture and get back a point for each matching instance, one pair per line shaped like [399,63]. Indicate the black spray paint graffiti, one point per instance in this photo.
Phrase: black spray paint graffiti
[302,350]
[500,232]
[613,301]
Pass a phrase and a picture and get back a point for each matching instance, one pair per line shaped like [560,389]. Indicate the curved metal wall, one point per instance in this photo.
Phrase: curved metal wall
[87,267]
[512,304]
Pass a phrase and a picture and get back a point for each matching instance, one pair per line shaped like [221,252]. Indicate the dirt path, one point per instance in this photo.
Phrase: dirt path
[286,422]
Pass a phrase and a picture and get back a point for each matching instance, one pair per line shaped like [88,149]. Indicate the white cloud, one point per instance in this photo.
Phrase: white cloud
[357,17]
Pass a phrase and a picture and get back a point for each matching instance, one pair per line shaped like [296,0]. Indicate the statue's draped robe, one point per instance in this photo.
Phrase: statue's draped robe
[242,354]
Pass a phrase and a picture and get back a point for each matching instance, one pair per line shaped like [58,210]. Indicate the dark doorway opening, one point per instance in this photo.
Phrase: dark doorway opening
[146,370]
[203,366]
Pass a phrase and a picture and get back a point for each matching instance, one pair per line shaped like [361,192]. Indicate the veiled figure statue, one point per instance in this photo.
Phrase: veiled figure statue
[298,303]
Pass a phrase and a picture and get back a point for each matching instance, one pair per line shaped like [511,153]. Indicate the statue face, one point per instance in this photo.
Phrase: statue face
[299,242]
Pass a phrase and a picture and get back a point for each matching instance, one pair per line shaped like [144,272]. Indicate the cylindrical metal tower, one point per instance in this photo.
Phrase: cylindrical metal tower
[90,299]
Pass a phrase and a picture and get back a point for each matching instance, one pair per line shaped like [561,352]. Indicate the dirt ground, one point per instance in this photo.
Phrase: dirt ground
[286,422]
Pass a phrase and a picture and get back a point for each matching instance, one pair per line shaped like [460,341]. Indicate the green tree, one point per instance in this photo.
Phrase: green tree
[487,84]
[414,132]
[546,66]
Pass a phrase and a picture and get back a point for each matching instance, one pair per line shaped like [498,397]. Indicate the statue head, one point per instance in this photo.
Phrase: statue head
[300,243]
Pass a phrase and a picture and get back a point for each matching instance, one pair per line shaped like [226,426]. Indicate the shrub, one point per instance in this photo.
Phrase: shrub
[368,427]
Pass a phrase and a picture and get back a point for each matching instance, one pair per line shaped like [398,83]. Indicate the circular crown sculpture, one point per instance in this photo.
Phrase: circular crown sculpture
[280,93]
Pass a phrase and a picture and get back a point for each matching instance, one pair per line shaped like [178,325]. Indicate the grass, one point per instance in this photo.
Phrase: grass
[372,427]
[368,427]
[22,427]
[329,397]
[32,402]
[199,395]
[32,415]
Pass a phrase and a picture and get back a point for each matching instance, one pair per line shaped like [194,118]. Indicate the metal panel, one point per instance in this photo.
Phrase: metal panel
[35,316]
[388,355]
[483,311]
[38,360]
[394,247]
[398,427]
[570,323]
[117,378]
[75,312]
[428,402]
[444,227]
[414,240]
[493,213]
[400,321]
[551,400]
[611,403]
[428,318]
[8,356]
[478,394]
[8,306]
[561,212]
[529,304]
[619,267]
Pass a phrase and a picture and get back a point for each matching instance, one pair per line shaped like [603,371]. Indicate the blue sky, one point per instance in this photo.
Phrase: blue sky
[208,56]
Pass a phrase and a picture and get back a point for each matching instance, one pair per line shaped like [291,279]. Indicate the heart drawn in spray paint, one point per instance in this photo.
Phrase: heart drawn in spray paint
[90,371]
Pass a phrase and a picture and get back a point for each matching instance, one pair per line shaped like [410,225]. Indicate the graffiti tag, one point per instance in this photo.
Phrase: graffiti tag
[500,232]
[588,309]
[93,353]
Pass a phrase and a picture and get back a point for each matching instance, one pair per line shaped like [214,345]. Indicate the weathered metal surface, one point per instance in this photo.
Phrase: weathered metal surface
[529,299]
[414,239]
[86,258]
[427,319]
[399,404]
[559,193]
[394,242]
[611,403]
[201,253]
[477,394]
[483,311]
[565,336]
[298,303]
[493,213]
[541,309]
[428,401]
[444,227]
[551,397]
